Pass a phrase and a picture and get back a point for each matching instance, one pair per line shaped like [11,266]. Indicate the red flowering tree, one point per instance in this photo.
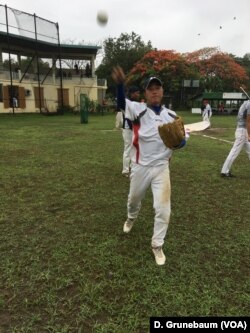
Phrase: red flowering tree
[218,71]
[170,66]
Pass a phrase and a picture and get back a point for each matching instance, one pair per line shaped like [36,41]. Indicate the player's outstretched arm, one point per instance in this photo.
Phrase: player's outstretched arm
[119,78]
[118,75]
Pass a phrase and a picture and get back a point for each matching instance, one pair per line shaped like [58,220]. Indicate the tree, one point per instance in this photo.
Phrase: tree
[170,66]
[245,63]
[125,50]
[218,71]
[27,63]
[202,54]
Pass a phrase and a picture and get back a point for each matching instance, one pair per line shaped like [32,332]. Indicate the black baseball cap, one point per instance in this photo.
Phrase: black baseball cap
[152,79]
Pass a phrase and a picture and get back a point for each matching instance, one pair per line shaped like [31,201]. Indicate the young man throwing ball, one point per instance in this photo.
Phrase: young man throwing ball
[149,157]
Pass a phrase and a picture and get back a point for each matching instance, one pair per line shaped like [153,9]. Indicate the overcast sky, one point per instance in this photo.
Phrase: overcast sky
[180,25]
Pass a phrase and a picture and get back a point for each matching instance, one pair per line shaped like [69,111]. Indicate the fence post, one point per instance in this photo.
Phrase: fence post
[84,109]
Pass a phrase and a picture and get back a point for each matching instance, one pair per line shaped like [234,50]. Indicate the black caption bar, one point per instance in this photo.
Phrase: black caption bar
[162,324]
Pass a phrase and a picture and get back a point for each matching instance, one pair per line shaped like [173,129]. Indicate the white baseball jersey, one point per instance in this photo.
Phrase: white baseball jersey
[148,148]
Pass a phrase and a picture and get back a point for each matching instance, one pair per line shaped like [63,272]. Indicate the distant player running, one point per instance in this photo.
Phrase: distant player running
[242,139]
[207,111]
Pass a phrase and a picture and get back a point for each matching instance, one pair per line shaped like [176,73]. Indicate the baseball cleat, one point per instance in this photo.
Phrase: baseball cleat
[128,225]
[159,255]
[125,174]
[227,175]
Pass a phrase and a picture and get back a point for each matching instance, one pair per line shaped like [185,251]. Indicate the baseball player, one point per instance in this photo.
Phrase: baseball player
[207,112]
[242,139]
[150,159]
[133,95]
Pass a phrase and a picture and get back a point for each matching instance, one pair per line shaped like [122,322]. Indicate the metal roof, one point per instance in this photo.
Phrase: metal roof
[212,95]
[219,96]
[25,46]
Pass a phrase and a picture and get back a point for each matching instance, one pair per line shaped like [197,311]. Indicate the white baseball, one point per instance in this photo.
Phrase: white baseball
[102,17]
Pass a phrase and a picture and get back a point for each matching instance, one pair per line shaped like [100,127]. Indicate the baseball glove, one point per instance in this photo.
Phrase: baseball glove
[173,134]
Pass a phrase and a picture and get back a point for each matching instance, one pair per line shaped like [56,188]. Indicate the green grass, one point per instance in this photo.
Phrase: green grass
[67,267]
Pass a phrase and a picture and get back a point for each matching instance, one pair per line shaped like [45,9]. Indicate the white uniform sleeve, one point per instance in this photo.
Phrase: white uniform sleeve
[248,107]
[127,108]
[133,109]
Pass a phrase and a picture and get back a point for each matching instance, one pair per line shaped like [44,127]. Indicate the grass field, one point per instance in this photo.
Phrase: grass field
[67,267]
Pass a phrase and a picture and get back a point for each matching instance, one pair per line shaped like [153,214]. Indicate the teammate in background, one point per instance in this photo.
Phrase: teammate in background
[242,139]
[207,112]
[133,95]
[221,107]
[15,102]
[149,159]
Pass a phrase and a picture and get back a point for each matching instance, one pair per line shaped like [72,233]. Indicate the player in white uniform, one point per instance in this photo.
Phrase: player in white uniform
[242,139]
[150,161]
[207,112]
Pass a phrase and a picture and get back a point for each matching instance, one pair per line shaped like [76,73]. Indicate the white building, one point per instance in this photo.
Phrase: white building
[58,87]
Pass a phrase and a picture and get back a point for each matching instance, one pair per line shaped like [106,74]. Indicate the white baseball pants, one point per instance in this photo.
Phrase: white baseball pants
[158,178]
[206,115]
[127,139]
[241,141]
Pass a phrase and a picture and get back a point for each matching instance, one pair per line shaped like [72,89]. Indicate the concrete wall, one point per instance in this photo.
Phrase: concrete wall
[74,87]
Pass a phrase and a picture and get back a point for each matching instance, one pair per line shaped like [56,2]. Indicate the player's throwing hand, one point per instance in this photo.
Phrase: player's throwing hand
[118,75]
